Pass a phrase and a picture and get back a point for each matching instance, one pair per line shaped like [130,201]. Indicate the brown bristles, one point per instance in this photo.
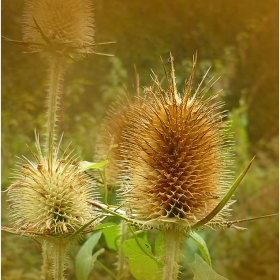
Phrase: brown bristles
[175,150]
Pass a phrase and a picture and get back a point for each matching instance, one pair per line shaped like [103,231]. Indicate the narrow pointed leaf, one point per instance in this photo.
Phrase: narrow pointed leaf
[44,36]
[225,199]
[202,247]
[86,165]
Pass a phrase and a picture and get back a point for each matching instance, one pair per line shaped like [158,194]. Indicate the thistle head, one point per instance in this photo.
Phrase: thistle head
[49,195]
[59,26]
[115,122]
[178,153]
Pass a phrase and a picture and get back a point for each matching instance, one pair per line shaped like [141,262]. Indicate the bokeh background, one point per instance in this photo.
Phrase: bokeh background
[238,39]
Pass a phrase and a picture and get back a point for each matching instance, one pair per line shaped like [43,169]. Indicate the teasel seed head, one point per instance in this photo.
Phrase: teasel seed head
[49,195]
[178,154]
[111,133]
[59,26]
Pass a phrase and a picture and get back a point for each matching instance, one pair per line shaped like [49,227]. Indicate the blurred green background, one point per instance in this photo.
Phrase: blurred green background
[238,39]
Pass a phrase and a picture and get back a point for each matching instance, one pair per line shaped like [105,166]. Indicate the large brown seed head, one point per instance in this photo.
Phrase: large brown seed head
[177,155]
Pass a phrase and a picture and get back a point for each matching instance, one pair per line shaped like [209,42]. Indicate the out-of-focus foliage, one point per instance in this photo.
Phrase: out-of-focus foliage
[238,39]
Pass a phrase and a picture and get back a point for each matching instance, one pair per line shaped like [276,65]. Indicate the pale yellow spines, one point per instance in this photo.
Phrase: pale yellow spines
[49,196]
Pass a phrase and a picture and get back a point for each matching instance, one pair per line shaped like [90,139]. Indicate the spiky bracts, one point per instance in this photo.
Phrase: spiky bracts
[116,121]
[178,153]
[49,195]
[58,25]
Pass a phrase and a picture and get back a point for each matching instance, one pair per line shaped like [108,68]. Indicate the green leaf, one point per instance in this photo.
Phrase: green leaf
[141,266]
[111,233]
[202,247]
[225,199]
[86,165]
[85,259]
[202,271]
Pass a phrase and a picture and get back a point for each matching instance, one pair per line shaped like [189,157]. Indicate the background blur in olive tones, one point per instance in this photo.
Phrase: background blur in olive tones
[238,39]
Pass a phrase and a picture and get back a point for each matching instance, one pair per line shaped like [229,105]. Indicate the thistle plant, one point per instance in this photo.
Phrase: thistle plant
[49,195]
[168,153]
[179,156]
[48,201]
[174,153]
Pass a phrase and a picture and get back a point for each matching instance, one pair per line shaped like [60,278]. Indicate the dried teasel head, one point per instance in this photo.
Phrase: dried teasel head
[178,153]
[111,134]
[59,26]
[49,195]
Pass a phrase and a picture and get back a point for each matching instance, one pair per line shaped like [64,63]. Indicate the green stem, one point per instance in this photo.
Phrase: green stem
[172,237]
[54,90]
[140,246]
[103,178]
[46,267]
[122,266]
[59,259]
[106,269]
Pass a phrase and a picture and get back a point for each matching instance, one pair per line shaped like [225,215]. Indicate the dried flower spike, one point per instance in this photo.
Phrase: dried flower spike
[178,155]
[58,25]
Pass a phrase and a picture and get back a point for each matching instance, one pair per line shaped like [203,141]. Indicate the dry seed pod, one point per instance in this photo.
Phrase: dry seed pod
[59,25]
[178,154]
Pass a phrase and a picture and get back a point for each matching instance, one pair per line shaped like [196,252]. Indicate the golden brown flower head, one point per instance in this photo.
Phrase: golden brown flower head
[177,154]
[116,121]
[49,195]
[59,25]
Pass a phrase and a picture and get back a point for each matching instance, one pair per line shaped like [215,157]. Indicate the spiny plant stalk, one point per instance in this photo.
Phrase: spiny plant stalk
[172,238]
[49,195]
[46,267]
[122,266]
[54,92]
[59,259]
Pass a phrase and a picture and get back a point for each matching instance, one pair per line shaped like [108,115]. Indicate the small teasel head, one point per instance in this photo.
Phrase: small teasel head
[178,155]
[59,26]
[49,195]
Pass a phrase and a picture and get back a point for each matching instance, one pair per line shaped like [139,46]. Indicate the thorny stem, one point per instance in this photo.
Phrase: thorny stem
[172,238]
[59,259]
[46,267]
[122,266]
[54,91]
[114,212]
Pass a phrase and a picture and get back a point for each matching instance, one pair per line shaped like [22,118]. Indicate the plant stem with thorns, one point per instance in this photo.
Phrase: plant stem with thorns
[59,259]
[172,238]
[55,78]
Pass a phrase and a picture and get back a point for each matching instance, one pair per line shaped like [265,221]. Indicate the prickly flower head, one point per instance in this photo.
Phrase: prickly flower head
[59,25]
[49,195]
[116,121]
[178,153]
